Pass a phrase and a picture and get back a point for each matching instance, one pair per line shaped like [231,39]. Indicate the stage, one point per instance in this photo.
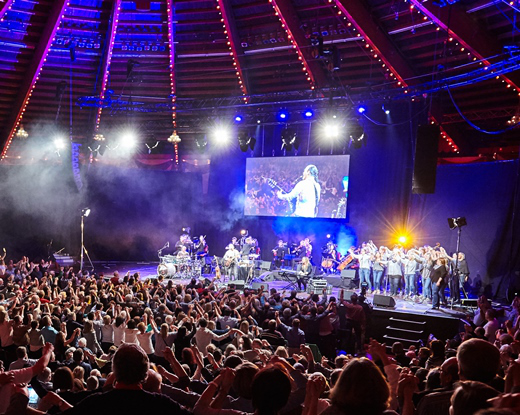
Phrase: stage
[411,322]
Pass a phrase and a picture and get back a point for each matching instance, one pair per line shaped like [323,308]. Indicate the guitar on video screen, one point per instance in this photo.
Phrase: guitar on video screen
[274,185]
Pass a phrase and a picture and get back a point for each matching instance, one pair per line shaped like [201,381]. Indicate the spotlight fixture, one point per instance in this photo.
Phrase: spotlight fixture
[308,114]
[221,134]
[59,143]
[174,138]
[98,137]
[283,115]
[289,139]
[21,133]
[243,232]
[245,141]
[201,143]
[331,129]
[361,109]
[385,109]
[356,134]
[239,118]
[128,139]
[85,212]
[457,222]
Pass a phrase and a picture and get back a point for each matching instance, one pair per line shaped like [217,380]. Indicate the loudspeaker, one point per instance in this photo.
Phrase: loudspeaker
[348,294]
[425,163]
[257,285]
[469,302]
[239,284]
[348,274]
[383,301]
[265,265]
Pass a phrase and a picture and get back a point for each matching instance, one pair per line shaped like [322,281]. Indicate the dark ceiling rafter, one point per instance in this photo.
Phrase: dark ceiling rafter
[3,10]
[107,57]
[236,46]
[356,13]
[288,14]
[33,72]
[458,24]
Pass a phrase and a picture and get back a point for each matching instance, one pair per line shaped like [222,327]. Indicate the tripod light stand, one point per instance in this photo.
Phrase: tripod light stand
[84,213]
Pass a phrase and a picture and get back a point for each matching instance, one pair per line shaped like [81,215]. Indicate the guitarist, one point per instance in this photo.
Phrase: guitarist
[230,261]
[306,192]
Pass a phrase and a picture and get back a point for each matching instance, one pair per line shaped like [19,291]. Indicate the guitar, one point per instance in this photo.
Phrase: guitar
[274,185]
[341,210]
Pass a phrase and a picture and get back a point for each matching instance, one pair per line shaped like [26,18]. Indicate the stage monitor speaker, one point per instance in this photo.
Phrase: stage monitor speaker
[239,284]
[469,302]
[348,274]
[347,295]
[265,265]
[383,301]
[425,163]
[258,285]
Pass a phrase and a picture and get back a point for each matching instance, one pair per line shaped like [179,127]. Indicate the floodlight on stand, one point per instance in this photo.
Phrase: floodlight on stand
[457,222]
[84,213]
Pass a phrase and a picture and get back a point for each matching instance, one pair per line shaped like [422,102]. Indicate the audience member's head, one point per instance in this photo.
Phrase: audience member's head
[470,396]
[130,364]
[270,390]
[478,360]
[361,389]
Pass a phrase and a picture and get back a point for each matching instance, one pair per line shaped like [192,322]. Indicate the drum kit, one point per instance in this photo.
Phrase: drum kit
[182,268]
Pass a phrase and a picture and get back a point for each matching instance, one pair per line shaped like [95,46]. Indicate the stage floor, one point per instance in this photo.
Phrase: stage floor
[149,270]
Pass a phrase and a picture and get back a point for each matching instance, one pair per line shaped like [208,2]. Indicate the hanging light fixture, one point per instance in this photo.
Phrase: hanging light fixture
[98,137]
[174,138]
[21,133]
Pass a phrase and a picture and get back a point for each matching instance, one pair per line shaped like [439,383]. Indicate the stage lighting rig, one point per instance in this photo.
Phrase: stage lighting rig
[201,143]
[283,115]
[290,139]
[245,141]
[21,133]
[308,114]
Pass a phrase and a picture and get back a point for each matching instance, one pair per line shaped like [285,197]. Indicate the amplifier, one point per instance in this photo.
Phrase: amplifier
[317,286]
[64,259]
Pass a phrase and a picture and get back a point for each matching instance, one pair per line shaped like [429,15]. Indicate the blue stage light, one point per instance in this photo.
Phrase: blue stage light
[283,115]
[239,118]
[361,109]
[308,114]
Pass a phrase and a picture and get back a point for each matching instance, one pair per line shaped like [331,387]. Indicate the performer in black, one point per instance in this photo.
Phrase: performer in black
[279,254]
[201,248]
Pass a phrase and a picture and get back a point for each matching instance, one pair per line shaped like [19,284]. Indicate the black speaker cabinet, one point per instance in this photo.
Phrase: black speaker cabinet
[425,162]
[383,301]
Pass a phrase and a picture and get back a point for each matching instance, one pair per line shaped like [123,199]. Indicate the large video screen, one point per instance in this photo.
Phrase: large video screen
[306,186]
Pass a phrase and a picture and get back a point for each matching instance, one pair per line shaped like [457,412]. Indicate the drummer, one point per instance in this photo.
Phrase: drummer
[184,241]
[183,253]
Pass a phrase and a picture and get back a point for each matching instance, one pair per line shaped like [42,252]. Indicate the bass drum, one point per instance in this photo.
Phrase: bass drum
[167,270]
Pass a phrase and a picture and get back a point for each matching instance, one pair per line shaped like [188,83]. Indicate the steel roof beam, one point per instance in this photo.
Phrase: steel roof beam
[32,74]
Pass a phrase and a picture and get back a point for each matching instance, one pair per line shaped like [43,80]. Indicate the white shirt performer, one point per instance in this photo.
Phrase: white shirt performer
[306,192]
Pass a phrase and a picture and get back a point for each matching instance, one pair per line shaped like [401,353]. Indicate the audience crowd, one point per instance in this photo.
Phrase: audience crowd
[80,344]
